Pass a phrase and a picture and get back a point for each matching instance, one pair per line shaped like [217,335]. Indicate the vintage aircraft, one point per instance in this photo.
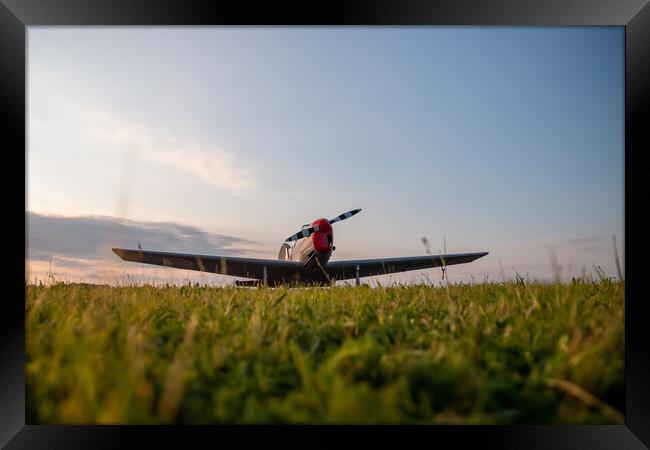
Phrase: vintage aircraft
[306,262]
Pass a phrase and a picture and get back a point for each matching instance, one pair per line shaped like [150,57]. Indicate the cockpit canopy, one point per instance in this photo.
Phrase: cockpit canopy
[285,252]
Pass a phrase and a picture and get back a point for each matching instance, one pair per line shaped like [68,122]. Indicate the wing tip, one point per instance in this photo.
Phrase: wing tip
[119,252]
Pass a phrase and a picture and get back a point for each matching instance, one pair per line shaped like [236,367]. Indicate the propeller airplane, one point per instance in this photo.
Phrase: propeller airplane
[307,262]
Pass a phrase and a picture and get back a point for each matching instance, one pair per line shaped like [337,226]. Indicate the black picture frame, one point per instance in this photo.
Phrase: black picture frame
[16,15]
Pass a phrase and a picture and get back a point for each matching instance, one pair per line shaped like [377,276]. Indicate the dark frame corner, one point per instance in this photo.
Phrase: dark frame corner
[634,15]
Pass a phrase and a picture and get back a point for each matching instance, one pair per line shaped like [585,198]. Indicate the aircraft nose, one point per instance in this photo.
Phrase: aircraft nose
[322,241]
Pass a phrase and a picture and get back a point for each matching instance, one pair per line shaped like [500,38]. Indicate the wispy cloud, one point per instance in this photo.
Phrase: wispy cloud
[212,165]
[550,257]
[217,168]
[105,129]
[600,245]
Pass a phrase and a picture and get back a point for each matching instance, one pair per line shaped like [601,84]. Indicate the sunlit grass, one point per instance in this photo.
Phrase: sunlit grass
[485,353]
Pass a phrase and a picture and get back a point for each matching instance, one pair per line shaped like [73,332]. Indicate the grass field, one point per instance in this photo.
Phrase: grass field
[487,353]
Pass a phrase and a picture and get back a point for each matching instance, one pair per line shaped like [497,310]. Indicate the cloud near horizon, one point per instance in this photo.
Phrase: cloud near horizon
[79,247]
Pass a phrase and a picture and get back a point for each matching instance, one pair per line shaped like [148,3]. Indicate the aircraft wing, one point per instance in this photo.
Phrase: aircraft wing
[225,265]
[342,270]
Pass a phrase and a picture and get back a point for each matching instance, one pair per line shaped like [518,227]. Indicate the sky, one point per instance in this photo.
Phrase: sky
[225,140]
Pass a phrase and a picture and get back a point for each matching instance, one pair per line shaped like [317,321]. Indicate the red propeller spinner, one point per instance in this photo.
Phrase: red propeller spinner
[322,239]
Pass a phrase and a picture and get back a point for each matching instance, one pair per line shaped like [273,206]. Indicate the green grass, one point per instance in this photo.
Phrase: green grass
[489,353]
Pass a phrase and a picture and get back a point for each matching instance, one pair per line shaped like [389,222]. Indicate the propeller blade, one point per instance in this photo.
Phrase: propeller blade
[344,216]
[305,232]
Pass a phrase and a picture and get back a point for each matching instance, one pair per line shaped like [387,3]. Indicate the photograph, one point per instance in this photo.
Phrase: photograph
[325,225]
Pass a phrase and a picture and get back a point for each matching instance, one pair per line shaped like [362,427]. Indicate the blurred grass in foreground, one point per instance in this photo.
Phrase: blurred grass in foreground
[487,353]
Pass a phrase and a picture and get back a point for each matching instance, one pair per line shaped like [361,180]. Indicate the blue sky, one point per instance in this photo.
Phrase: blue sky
[508,140]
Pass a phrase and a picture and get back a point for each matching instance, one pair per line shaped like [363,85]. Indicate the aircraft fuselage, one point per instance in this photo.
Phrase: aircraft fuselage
[314,252]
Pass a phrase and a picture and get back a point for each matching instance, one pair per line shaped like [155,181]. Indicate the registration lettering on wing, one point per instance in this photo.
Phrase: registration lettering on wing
[178,263]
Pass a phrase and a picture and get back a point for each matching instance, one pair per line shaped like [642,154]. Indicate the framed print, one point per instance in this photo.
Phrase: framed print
[279,221]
